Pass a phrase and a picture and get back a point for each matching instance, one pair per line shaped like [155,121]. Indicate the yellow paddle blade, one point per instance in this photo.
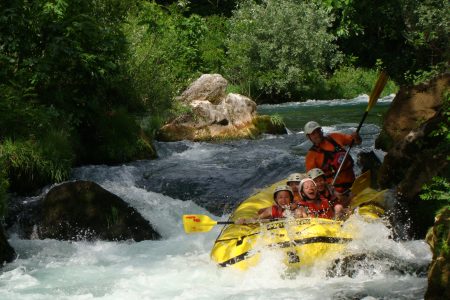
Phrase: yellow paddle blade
[361,182]
[368,195]
[197,223]
[376,92]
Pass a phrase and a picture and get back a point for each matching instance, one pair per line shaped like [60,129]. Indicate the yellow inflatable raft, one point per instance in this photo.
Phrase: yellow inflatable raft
[302,240]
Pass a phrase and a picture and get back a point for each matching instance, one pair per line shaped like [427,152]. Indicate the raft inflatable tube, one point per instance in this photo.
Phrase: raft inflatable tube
[303,241]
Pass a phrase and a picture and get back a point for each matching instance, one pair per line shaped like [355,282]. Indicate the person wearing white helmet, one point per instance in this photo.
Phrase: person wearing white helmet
[312,204]
[336,200]
[293,181]
[284,198]
[323,187]
[328,152]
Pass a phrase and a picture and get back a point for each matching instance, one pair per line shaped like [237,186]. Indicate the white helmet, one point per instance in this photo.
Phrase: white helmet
[314,173]
[296,177]
[300,188]
[282,188]
[311,126]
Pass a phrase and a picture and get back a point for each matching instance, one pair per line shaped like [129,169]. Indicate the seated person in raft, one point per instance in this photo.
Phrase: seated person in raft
[338,201]
[312,204]
[284,198]
[293,181]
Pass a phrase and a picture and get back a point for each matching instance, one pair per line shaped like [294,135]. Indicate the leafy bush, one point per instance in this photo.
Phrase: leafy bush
[349,82]
[117,139]
[409,36]
[212,45]
[438,189]
[30,165]
[164,53]
[279,48]
[4,184]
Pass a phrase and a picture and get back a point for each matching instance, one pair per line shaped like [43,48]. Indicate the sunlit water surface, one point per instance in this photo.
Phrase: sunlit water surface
[212,178]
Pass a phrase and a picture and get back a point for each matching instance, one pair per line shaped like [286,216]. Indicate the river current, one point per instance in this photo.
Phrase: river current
[212,178]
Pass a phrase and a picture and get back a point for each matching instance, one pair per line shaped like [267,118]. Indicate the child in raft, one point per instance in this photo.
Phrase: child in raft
[312,204]
[338,201]
[284,198]
[293,181]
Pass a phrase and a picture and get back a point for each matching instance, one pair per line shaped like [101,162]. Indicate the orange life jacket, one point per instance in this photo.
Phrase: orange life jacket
[328,156]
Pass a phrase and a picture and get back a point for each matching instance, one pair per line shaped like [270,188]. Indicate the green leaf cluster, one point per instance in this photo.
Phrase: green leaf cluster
[63,74]
[410,37]
[280,48]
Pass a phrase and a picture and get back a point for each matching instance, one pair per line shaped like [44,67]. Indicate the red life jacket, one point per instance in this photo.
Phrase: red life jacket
[277,212]
[321,210]
[333,159]
[329,194]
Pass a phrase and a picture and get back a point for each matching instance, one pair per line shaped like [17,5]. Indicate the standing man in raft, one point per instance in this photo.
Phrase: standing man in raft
[327,154]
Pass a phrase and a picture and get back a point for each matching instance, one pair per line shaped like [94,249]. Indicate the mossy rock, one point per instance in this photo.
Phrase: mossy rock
[265,124]
[439,240]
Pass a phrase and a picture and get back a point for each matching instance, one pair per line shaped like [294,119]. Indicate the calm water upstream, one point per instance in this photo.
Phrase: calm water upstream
[212,178]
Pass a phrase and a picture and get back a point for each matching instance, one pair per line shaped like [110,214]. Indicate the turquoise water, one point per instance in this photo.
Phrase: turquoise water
[328,113]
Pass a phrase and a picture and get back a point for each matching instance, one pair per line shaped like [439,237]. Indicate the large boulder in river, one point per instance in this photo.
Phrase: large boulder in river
[215,115]
[413,155]
[83,210]
[209,87]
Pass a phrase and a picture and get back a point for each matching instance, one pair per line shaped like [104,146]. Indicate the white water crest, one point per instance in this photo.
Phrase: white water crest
[201,178]
[361,99]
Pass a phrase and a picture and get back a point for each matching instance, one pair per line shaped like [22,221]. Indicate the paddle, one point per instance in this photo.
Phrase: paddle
[373,98]
[200,223]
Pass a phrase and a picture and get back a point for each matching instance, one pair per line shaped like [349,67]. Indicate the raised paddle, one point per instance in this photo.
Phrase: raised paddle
[373,98]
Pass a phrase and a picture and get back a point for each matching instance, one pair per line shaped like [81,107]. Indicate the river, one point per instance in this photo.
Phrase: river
[212,178]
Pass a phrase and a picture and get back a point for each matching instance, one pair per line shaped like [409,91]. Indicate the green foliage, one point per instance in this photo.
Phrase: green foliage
[409,36]
[116,138]
[164,53]
[212,45]
[4,184]
[277,120]
[30,165]
[442,132]
[279,48]
[204,7]
[349,82]
[21,115]
[438,189]
[63,66]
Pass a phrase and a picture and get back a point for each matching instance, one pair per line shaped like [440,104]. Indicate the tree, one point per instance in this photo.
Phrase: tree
[279,49]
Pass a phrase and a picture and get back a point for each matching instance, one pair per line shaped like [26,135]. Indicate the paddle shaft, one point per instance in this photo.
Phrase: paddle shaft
[379,86]
[349,147]
[203,223]
[225,222]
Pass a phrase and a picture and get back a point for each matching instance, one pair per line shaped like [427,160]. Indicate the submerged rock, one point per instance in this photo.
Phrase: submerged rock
[83,210]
